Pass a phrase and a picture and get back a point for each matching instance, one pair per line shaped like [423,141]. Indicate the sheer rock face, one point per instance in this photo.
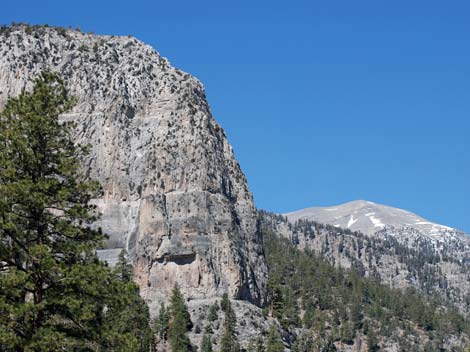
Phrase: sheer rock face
[174,195]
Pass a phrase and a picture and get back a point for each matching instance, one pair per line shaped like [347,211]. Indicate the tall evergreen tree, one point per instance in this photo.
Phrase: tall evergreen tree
[55,294]
[225,303]
[161,325]
[123,268]
[179,324]
[206,343]
[213,312]
[229,341]
[277,304]
[273,341]
[129,318]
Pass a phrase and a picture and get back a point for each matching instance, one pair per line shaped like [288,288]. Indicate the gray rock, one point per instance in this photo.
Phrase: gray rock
[174,195]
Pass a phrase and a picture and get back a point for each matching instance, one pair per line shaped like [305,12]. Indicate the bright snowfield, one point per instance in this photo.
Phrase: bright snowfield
[368,218]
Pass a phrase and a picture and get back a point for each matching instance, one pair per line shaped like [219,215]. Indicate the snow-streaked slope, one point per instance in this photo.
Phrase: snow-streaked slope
[368,218]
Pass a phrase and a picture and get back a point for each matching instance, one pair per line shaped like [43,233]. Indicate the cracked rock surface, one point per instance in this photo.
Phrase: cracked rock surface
[174,195]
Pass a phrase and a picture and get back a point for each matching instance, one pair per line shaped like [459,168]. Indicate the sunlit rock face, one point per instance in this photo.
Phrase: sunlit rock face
[174,195]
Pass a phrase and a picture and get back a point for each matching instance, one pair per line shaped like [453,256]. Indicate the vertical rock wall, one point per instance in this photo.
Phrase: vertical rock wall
[174,195]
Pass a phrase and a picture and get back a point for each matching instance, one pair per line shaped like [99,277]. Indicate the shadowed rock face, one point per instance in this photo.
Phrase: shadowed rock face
[174,195]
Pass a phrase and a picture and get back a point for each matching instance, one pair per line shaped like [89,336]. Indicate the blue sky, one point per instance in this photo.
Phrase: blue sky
[324,101]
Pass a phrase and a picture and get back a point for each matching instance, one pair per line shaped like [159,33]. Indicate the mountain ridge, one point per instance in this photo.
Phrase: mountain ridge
[368,218]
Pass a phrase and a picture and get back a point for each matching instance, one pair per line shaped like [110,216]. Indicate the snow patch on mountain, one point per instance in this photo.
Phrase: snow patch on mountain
[375,221]
[384,221]
[351,221]
[368,217]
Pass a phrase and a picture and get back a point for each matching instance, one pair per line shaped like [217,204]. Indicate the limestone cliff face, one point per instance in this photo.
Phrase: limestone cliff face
[174,195]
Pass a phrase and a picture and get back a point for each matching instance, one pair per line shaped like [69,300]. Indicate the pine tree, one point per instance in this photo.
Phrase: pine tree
[273,341]
[225,303]
[230,317]
[206,343]
[180,323]
[229,341]
[123,268]
[127,321]
[213,310]
[162,323]
[277,304]
[55,294]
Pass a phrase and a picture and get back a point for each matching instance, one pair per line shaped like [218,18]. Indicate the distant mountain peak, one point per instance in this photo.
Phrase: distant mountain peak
[368,218]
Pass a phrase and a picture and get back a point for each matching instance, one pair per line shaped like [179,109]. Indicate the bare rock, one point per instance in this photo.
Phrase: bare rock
[174,195]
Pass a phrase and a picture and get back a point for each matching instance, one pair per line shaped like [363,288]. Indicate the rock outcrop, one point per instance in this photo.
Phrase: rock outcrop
[174,195]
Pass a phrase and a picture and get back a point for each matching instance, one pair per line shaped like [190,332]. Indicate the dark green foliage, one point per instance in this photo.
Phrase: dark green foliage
[128,323]
[61,31]
[329,347]
[225,303]
[230,317]
[213,312]
[273,341]
[229,341]
[35,30]
[206,343]
[372,342]
[303,343]
[162,323]
[123,268]
[340,305]
[179,323]
[55,294]
[277,304]
[259,345]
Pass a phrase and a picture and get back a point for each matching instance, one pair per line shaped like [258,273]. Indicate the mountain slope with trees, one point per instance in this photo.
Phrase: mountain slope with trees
[328,308]
[399,258]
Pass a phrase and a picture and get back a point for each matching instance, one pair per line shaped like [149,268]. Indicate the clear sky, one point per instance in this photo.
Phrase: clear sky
[324,101]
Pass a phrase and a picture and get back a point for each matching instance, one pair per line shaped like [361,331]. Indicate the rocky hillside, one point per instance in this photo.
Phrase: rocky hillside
[435,259]
[174,195]
[326,308]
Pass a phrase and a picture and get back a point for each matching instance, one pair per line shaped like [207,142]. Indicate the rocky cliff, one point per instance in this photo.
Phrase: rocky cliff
[174,195]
